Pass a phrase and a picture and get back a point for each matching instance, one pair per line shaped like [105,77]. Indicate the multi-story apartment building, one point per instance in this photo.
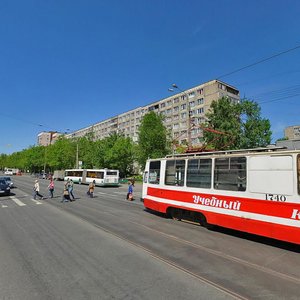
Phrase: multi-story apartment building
[179,110]
[292,132]
[47,138]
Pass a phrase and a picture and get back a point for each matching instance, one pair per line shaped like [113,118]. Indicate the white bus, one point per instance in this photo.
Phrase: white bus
[102,177]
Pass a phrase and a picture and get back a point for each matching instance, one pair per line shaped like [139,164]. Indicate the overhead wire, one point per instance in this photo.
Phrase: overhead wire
[259,62]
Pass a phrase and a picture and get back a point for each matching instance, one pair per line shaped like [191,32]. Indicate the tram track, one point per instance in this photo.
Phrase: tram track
[160,258]
[154,253]
[97,214]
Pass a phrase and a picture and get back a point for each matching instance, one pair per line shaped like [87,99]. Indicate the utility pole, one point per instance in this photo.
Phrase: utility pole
[77,161]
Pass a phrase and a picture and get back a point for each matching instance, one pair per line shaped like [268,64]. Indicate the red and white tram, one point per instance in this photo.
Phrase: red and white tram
[252,190]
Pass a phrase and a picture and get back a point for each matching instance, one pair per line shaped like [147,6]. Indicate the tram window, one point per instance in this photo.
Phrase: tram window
[175,172]
[230,174]
[199,173]
[298,172]
[154,172]
[145,177]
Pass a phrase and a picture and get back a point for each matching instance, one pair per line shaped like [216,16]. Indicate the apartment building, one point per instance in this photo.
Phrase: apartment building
[292,132]
[181,110]
[46,138]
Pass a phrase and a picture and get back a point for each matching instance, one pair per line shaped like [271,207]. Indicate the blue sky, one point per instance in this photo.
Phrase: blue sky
[69,64]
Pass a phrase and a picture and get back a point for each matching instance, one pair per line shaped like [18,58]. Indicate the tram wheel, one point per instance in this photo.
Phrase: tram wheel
[176,214]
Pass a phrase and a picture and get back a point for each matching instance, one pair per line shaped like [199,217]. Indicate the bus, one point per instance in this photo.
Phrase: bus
[102,177]
[253,190]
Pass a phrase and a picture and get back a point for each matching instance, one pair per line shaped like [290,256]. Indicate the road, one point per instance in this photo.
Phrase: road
[110,248]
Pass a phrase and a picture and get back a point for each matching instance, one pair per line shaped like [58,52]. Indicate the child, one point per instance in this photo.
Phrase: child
[130,191]
[91,189]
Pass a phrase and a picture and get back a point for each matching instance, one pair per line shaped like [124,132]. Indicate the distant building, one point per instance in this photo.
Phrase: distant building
[47,138]
[292,132]
[292,135]
[189,105]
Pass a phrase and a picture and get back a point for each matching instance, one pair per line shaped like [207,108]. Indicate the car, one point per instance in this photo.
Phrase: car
[9,172]
[43,176]
[4,188]
[8,180]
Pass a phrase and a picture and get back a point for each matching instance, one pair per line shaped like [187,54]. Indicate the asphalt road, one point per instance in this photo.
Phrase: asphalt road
[110,248]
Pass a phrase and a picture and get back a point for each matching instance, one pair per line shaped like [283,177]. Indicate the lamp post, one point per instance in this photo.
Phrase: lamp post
[189,141]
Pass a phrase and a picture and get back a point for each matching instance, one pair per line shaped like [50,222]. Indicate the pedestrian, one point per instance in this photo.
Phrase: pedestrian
[91,189]
[130,191]
[36,190]
[65,196]
[51,188]
[70,189]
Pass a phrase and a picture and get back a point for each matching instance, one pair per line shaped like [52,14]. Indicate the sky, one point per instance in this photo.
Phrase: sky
[65,65]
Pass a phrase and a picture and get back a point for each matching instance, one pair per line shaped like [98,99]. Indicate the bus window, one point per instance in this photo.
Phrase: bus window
[230,174]
[199,173]
[111,173]
[154,172]
[175,172]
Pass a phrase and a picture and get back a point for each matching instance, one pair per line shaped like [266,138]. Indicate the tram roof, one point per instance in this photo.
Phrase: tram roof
[253,150]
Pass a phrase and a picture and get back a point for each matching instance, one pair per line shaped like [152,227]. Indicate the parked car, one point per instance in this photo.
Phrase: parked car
[8,180]
[4,188]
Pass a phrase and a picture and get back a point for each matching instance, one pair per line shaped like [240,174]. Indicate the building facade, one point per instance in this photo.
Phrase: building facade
[181,110]
[47,138]
[292,132]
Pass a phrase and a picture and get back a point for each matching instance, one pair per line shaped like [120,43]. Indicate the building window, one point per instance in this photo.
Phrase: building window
[200,111]
[183,106]
[200,101]
[192,94]
[200,91]
[176,100]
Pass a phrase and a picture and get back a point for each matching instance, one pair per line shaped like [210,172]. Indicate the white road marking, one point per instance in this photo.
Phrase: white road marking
[3,206]
[17,201]
[36,202]
[101,193]
[120,193]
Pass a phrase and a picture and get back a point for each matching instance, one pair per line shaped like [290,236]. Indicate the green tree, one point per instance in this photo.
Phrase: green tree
[115,152]
[236,125]
[153,138]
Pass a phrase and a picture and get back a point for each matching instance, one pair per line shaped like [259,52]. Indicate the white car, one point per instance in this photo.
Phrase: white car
[8,172]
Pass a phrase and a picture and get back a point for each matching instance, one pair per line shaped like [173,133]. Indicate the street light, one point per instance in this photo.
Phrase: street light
[189,121]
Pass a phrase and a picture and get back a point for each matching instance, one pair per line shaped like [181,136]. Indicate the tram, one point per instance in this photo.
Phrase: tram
[102,177]
[251,190]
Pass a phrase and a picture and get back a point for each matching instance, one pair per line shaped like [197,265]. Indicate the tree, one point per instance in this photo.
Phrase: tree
[236,125]
[153,138]
[115,152]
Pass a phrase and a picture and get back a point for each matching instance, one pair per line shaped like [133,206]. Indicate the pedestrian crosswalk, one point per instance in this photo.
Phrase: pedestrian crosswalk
[13,201]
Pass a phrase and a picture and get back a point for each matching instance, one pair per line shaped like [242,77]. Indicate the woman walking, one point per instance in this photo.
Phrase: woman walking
[51,188]
[36,190]
[70,188]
